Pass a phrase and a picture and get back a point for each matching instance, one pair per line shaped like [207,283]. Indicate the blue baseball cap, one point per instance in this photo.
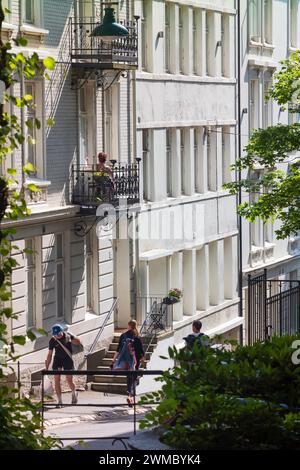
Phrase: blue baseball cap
[56,329]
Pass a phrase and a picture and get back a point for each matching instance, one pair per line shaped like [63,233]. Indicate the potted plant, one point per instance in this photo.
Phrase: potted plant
[174,296]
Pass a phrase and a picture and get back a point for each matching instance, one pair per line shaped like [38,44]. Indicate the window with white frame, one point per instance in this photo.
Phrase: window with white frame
[87,123]
[256,226]
[225,45]
[169,162]
[35,131]
[254,9]
[254,104]
[144,34]
[167,37]
[146,162]
[267,106]
[59,261]
[7,161]
[181,41]
[261,21]
[182,159]
[31,283]
[32,12]
[293,23]
[293,117]
[268,20]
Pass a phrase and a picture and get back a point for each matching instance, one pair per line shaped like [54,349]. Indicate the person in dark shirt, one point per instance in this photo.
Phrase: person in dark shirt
[133,335]
[61,343]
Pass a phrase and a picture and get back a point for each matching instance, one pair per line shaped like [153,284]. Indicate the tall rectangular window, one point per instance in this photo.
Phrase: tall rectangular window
[181,41]
[29,11]
[30,89]
[146,163]
[267,105]
[59,261]
[254,9]
[167,38]
[293,23]
[182,162]
[34,132]
[268,21]
[223,52]
[169,162]
[31,283]
[211,144]
[254,108]
[144,34]
[210,46]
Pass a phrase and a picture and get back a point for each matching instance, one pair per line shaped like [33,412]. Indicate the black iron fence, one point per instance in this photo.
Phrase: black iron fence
[273,307]
[137,373]
[91,186]
[94,50]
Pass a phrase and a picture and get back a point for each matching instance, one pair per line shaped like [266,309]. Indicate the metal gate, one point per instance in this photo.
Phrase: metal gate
[273,307]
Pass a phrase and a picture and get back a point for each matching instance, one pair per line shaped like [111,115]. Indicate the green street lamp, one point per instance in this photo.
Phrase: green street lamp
[109,29]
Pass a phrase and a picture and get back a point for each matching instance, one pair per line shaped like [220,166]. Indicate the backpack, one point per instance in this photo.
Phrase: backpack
[127,358]
[201,340]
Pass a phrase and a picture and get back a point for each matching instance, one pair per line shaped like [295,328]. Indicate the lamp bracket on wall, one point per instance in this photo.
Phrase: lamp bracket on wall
[104,78]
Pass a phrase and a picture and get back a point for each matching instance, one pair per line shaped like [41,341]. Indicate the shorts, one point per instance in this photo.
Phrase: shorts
[65,364]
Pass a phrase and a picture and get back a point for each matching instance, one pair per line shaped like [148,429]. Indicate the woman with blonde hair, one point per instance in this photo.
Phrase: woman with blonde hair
[129,355]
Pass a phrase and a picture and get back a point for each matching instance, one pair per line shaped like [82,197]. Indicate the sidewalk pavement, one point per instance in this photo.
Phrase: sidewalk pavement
[54,417]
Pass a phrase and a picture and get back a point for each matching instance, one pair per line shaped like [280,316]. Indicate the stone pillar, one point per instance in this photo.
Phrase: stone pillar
[176,163]
[202,263]
[216,272]
[230,263]
[189,282]
[174,38]
[177,281]
[189,176]
[188,40]
[202,166]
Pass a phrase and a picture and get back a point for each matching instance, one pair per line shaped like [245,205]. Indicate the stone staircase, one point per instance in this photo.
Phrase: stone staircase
[115,384]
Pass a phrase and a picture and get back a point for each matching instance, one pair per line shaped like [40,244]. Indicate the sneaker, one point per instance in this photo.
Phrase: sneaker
[130,401]
[59,403]
[74,398]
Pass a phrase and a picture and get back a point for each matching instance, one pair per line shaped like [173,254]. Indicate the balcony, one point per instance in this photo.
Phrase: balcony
[93,53]
[118,187]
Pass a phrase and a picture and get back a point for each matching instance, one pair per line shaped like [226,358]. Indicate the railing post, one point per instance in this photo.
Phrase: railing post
[250,319]
[19,380]
[43,398]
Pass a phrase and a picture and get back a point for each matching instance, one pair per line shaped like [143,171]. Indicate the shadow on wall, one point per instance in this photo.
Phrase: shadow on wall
[56,20]
[62,142]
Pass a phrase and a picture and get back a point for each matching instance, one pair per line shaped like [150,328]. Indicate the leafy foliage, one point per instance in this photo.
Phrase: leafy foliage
[19,418]
[244,398]
[277,191]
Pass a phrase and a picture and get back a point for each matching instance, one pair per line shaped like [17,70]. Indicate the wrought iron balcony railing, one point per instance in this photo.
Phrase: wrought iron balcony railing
[92,186]
[90,50]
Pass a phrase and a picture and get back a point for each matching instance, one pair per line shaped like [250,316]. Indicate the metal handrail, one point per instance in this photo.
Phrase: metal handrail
[102,327]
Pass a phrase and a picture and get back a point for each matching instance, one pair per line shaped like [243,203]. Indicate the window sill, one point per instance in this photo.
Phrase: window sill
[293,49]
[267,45]
[33,30]
[9,27]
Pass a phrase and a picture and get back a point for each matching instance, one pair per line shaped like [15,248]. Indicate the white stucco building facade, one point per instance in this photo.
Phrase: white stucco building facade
[269,32]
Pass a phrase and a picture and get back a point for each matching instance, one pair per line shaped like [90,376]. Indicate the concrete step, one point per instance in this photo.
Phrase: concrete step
[114,346]
[109,379]
[117,388]
[110,355]
[106,362]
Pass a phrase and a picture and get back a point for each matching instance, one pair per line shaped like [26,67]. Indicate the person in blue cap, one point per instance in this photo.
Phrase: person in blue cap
[61,343]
